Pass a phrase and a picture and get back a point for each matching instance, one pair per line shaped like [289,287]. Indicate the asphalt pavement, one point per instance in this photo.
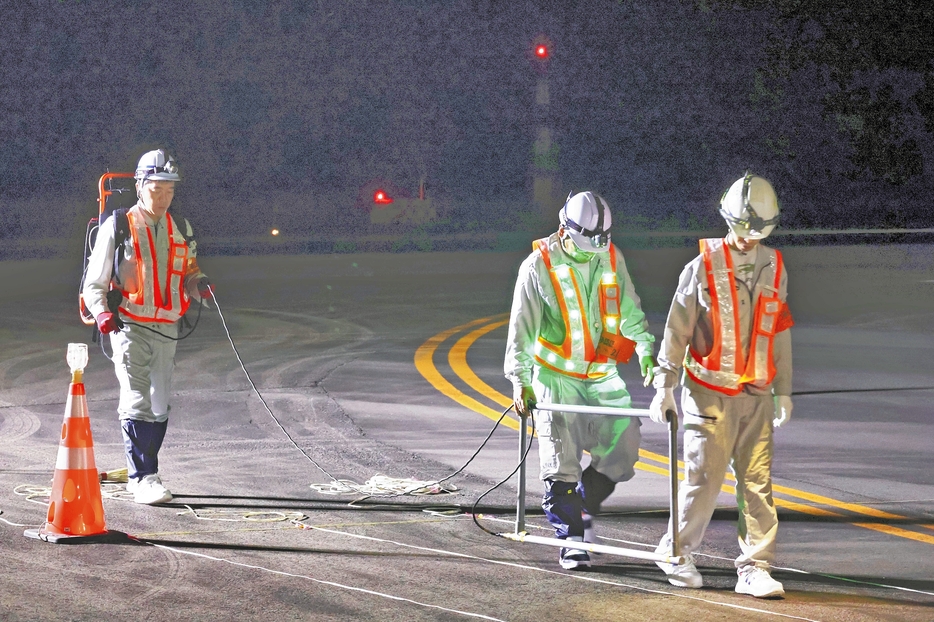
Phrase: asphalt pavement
[391,365]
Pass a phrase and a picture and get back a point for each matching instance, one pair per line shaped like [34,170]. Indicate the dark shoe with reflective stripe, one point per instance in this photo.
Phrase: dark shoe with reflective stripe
[573,559]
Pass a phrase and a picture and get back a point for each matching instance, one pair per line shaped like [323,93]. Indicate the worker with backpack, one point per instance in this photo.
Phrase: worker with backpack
[141,277]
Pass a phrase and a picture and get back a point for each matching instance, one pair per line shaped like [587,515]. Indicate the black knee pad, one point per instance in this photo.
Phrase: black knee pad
[595,488]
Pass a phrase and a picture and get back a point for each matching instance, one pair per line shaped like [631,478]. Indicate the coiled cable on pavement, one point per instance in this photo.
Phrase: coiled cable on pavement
[385,485]
[438,486]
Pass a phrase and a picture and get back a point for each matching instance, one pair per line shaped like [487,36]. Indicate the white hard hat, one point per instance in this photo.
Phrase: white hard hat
[586,217]
[158,166]
[750,207]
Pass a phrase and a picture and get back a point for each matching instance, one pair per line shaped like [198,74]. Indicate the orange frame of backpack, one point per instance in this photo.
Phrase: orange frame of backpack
[102,194]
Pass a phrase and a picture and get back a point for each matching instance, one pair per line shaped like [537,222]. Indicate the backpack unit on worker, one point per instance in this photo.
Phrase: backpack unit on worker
[116,196]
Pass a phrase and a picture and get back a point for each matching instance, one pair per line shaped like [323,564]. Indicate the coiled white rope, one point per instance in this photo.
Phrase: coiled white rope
[259,516]
[381,485]
[41,494]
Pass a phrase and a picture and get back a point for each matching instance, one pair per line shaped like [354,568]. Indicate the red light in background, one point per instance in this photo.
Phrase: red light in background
[539,53]
[381,197]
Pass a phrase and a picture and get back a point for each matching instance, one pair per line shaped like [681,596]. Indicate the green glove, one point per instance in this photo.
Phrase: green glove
[522,399]
[647,368]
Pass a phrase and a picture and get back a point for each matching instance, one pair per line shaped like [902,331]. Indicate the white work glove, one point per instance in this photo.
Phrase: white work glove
[522,398]
[783,408]
[663,401]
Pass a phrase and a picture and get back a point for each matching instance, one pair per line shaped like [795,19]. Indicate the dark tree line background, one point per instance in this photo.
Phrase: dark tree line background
[289,112]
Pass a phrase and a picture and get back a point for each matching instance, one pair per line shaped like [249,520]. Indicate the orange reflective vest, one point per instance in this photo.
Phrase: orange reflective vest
[149,303]
[725,368]
[577,356]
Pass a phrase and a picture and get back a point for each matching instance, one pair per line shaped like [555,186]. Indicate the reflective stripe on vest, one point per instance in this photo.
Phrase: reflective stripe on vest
[150,303]
[576,356]
[724,368]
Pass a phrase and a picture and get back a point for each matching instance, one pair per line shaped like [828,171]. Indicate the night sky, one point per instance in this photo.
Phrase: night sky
[296,110]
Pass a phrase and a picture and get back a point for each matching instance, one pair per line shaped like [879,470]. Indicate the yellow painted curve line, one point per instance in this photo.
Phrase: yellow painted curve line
[827,501]
[800,494]
[457,359]
[424,363]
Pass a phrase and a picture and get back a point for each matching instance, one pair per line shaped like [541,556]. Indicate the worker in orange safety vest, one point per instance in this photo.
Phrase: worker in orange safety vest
[728,329]
[575,314]
[156,277]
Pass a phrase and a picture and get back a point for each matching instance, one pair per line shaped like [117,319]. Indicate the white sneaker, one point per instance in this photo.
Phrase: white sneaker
[148,490]
[759,583]
[683,575]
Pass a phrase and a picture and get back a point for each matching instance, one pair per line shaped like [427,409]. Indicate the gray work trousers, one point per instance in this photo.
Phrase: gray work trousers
[143,362]
[613,442]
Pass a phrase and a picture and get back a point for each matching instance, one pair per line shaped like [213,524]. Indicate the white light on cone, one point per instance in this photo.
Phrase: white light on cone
[77,357]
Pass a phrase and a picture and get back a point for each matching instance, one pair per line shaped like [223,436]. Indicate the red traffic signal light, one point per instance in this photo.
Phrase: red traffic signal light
[380,196]
[539,53]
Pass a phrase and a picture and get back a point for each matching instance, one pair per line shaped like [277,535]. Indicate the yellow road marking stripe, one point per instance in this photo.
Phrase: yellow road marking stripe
[424,363]
[843,505]
[800,494]
[816,511]
[457,359]
[898,531]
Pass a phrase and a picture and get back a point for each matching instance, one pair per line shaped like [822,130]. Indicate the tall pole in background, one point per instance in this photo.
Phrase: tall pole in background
[545,190]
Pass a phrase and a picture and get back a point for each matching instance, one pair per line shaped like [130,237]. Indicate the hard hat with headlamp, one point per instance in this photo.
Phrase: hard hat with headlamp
[156,166]
[750,207]
[586,219]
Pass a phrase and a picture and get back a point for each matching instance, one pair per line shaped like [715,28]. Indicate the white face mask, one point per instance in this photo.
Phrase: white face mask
[574,251]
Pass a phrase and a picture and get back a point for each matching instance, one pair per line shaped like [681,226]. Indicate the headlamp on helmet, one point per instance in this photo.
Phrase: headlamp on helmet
[157,166]
[750,207]
[586,217]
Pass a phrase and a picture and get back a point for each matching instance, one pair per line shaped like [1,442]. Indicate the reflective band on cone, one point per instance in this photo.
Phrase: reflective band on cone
[75,506]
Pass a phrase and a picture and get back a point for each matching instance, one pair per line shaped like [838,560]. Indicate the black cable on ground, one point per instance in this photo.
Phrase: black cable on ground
[525,453]
[333,479]
[464,466]
[259,395]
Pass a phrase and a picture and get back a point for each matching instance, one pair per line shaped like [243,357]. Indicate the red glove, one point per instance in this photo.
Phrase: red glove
[205,287]
[107,323]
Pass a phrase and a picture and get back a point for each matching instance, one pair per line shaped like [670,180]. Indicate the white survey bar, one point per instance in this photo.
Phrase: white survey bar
[595,548]
[593,410]
[672,418]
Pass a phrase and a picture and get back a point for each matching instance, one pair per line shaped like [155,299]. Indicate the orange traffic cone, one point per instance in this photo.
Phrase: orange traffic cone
[76,512]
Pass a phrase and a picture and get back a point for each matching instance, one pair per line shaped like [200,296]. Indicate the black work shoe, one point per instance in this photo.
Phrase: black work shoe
[573,559]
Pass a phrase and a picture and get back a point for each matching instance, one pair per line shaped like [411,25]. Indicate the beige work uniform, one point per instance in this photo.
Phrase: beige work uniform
[722,431]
